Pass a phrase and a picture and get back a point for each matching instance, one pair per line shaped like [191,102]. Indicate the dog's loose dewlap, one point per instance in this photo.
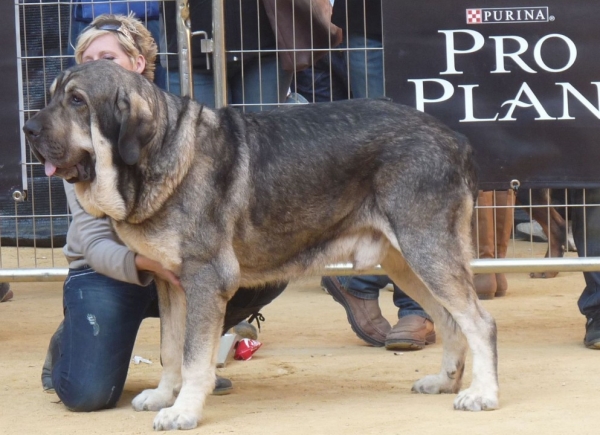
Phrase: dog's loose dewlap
[226,200]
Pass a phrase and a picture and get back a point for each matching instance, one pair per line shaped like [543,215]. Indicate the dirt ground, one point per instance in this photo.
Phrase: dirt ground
[314,376]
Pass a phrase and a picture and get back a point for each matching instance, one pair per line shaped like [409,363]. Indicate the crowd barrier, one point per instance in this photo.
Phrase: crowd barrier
[34,217]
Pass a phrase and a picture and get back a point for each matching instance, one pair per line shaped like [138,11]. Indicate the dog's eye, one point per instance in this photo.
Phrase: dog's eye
[76,100]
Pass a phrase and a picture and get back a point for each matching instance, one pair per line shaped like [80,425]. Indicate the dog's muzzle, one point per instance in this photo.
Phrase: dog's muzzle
[81,171]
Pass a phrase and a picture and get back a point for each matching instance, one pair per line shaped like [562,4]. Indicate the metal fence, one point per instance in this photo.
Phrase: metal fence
[33,224]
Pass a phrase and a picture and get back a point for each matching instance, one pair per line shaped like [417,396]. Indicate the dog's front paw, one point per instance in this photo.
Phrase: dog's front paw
[153,400]
[435,384]
[175,418]
[473,399]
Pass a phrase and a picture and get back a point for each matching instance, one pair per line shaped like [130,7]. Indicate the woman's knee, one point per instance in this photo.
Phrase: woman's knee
[88,402]
[83,397]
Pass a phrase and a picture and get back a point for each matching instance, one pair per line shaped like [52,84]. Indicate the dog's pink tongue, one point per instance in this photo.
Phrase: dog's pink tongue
[50,168]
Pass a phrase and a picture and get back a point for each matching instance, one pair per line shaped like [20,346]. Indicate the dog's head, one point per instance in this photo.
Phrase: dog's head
[97,110]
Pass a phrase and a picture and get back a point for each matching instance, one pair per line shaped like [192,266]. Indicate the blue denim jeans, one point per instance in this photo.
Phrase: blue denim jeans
[102,318]
[259,85]
[368,286]
[588,244]
[365,63]
[326,81]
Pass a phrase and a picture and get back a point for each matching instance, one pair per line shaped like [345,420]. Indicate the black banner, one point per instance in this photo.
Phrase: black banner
[520,79]
[10,142]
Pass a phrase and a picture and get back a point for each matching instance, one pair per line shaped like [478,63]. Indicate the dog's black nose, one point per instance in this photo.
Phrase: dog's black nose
[32,128]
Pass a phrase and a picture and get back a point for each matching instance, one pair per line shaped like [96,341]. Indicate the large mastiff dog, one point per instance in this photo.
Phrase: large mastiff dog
[228,200]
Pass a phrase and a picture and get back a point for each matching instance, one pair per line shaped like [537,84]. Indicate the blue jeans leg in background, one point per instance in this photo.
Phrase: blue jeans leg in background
[407,306]
[260,86]
[368,287]
[260,83]
[364,286]
[366,67]
[204,91]
[589,301]
[102,318]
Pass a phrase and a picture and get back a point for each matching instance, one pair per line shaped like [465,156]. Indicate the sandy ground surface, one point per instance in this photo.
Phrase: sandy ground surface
[314,376]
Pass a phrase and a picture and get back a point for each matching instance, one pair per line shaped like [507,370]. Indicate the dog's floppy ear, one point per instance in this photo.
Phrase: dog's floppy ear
[136,125]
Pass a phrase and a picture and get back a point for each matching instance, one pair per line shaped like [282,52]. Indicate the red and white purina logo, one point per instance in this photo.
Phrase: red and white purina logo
[533,14]
[473,16]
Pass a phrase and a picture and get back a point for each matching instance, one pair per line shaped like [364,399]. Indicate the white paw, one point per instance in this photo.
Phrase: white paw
[475,399]
[435,384]
[175,418]
[153,400]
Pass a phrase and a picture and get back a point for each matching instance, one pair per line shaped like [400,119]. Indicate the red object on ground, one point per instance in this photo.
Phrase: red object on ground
[245,348]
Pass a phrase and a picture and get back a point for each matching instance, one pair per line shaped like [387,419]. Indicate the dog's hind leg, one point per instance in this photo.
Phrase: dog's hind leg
[438,254]
[172,324]
[455,345]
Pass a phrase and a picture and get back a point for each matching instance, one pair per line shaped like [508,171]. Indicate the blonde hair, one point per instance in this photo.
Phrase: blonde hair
[133,38]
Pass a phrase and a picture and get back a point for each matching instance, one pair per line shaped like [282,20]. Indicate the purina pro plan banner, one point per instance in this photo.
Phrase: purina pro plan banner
[520,79]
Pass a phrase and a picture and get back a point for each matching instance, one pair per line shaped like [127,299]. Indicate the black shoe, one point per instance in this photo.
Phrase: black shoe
[223,386]
[6,293]
[51,357]
[592,332]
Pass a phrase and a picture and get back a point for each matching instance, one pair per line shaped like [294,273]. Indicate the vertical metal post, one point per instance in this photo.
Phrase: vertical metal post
[184,32]
[219,60]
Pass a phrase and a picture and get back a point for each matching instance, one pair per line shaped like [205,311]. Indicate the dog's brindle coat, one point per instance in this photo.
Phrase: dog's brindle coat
[227,200]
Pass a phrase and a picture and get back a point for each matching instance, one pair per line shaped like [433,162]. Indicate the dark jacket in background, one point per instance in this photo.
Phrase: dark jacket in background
[257,32]
[355,21]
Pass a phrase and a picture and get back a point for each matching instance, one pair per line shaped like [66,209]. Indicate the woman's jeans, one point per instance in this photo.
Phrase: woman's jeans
[102,318]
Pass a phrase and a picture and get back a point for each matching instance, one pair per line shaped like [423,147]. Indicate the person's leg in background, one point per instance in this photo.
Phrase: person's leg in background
[257,84]
[365,71]
[203,81]
[6,293]
[247,303]
[492,227]
[504,200]
[359,295]
[365,66]
[414,329]
[324,82]
[586,233]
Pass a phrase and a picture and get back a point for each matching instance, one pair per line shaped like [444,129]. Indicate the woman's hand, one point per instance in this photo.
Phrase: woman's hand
[144,263]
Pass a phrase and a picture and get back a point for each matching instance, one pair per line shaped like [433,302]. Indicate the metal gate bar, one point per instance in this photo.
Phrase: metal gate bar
[500,265]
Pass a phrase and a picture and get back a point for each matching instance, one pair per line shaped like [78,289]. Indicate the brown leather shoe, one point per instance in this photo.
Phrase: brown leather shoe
[412,332]
[364,315]
[486,285]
